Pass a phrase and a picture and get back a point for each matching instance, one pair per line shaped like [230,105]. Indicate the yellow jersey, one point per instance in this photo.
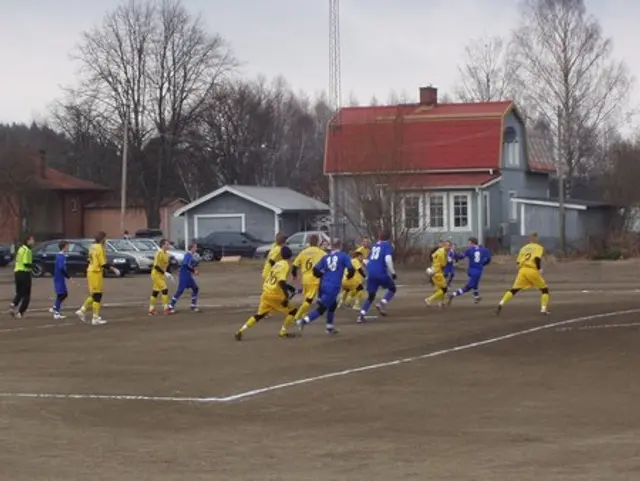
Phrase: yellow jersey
[279,272]
[528,255]
[365,251]
[272,256]
[357,278]
[305,261]
[161,260]
[439,260]
[97,259]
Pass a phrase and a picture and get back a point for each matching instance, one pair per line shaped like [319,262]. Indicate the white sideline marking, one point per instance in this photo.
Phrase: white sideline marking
[308,380]
[602,326]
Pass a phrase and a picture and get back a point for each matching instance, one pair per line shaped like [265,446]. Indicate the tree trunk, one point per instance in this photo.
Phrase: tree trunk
[153,213]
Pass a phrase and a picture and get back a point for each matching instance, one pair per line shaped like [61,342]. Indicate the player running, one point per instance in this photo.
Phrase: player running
[353,288]
[439,260]
[330,270]
[95,280]
[380,274]
[275,297]
[450,269]
[479,257]
[60,276]
[364,249]
[274,255]
[304,263]
[159,275]
[186,280]
[529,274]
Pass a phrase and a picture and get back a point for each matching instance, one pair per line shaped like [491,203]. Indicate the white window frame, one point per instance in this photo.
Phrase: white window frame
[469,226]
[420,198]
[486,213]
[242,217]
[427,212]
[513,207]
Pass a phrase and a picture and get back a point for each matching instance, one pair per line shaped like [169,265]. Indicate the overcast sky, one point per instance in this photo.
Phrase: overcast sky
[386,44]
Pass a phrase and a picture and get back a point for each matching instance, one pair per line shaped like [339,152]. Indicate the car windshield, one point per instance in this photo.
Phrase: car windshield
[122,245]
[144,245]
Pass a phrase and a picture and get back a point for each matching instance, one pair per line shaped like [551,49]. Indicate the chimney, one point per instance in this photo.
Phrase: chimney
[42,164]
[428,96]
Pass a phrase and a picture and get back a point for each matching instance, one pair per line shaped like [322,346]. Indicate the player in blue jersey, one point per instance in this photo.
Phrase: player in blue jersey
[450,269]
[380,274]
[478,257]
[330,269]
[186,280]
[60,276]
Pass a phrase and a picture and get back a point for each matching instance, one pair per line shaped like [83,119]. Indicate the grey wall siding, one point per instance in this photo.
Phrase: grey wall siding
[260,222]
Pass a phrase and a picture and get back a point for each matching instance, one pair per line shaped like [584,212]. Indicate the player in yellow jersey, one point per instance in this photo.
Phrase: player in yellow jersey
[276,292]
[353,288]
[95,280]
[303,265]
[159,275]
[529,274]
[274,255]
[364,249]
[439,260]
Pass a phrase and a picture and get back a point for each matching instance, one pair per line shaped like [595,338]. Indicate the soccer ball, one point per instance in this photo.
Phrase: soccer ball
[429,271]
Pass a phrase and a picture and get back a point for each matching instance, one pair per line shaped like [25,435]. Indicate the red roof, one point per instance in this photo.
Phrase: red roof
[416,137]
[55,180]
[471,179]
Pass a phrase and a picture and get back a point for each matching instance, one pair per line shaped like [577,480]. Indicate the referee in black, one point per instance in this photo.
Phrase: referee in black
[22,274]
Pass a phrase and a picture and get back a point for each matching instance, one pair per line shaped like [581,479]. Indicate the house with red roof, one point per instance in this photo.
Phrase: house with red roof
[47,203]
[450,170]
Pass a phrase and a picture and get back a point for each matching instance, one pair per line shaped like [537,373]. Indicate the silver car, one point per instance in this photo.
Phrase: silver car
[295,242]
[144,259]
[177,255]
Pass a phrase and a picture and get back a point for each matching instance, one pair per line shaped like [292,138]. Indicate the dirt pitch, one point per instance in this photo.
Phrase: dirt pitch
[517,397]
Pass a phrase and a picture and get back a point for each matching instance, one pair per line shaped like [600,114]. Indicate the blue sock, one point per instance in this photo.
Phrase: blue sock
[476,293]
[330,317]
[388,296]
[312,316]
[58,304]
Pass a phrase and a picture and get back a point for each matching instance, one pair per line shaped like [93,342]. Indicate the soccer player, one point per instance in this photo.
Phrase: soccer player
[186,280]
[23,264]
[353,288]
[450,269]
[275,297]
[304,263]
[439,260]
[529,274]
[330,270]
[365,249]
[95,280]
[478,256]
[274,255]
[380,274]
[60,276]
[159,275]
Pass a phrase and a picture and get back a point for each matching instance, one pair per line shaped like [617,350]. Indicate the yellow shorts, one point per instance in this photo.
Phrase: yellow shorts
[439,280]
[271,303]
[95,281]
[158,281]
[528,278]
[351,285]
[310,290]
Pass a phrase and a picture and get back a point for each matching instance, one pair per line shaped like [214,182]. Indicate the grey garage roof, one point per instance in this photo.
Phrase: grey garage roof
[277,199]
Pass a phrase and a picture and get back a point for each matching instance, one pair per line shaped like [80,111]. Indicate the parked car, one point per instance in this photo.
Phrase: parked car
[155,234]
[144,260]
[5,255]
[219,244]
[295,242]
[150,247]
[44,258]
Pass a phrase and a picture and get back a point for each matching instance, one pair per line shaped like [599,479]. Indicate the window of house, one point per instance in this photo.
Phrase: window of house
[511,147]
[436,211]
[513,207]
[460,211]
[411,212]
[74,205]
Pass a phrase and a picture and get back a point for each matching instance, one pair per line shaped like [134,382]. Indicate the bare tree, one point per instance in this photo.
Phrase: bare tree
[566,70]
[151,65]
[487,73]
[18,193]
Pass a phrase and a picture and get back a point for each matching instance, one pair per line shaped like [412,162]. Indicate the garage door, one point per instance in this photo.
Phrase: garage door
[207,225]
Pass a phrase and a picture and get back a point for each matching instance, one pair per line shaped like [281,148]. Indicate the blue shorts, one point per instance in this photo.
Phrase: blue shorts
[189,283]
[379,282]
[328,295]
[474,278]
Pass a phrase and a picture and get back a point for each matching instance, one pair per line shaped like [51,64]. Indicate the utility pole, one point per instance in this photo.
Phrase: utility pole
[123,181]
[561,160]
[335,97]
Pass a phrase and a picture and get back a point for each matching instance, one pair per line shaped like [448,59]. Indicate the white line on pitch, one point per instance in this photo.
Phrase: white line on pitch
[601,326]
[308,380]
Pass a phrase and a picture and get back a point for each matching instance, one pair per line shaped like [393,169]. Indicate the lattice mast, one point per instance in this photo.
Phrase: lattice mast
[335,93]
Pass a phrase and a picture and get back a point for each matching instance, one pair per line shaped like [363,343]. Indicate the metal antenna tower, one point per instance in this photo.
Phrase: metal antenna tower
[335,95]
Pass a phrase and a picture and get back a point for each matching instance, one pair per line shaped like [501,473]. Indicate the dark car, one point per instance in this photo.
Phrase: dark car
[219,244]
[5,255]
[44,258]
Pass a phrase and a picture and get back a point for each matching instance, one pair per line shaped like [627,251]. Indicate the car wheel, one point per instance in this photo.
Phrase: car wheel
[37,270]
[207,255]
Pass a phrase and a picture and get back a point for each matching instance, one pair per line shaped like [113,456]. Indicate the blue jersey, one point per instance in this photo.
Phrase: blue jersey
[187,267]
[60,269]
[332,267]
[478,256]
[377,266]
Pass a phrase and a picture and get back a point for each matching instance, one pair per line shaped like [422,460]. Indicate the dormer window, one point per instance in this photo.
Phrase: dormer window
[510,135]
[511,150]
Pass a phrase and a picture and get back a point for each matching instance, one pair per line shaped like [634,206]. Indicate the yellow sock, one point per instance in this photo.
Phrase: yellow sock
[437,296]
[250,323]
[165,299]
[506,298]
[87,304]
[288,322]
[152,303]
[303,310]
[361,296]
[544,301]
[96,309]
